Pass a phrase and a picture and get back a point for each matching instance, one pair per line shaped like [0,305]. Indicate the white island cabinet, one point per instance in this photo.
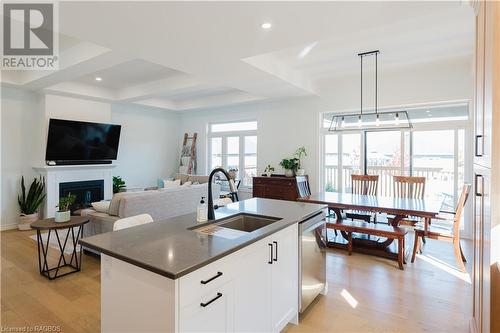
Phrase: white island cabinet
[254,289]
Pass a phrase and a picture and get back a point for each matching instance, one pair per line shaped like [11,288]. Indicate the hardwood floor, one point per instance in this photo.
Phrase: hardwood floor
[366,294]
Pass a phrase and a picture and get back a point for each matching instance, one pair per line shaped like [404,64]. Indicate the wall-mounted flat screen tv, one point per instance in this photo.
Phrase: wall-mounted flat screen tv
[70,140]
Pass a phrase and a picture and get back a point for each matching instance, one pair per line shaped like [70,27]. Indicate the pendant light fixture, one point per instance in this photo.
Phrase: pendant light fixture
[370,120]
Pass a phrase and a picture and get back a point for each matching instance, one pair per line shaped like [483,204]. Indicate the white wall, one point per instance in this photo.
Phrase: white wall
[148,149]
[149,146]
[283,126]
[21,117]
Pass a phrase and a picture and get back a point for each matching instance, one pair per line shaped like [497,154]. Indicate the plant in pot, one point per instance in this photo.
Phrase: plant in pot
[30,202]
[299,154]
[290,165]
[269,170]
[118,184]
[64,213]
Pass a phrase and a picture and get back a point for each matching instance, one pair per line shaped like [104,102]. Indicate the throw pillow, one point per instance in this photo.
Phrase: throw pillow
[188,183]
[101,206]
[171,183]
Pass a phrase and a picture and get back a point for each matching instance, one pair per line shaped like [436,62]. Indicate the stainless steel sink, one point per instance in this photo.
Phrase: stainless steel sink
[246,222]
[235,226]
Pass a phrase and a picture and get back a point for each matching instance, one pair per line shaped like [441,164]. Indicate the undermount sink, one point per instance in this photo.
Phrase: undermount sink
[236,226]
[247,223]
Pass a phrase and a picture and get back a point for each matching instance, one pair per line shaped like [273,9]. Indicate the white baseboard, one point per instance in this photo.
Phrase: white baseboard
[8,227]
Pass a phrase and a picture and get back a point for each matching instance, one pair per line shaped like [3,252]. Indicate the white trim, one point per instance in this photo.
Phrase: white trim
[8,227]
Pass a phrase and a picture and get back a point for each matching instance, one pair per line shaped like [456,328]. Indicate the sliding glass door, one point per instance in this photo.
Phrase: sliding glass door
[384,157]
[437,155]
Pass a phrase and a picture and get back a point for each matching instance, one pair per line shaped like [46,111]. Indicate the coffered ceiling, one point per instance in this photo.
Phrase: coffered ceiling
[190,55]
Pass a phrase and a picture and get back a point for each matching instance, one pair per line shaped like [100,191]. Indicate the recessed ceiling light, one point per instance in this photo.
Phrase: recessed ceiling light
[266,25]
[428,111]
[98,78]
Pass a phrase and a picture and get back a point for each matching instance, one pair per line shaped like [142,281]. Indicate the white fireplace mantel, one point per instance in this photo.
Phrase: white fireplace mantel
[54,175]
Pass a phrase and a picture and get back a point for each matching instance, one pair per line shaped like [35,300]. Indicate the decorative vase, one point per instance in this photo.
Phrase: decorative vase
[269,174]
[300,172]
[25,221]
[62,216]
[288,173]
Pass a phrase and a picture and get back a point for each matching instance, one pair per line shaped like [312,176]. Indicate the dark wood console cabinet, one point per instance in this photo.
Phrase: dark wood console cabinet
[276,187]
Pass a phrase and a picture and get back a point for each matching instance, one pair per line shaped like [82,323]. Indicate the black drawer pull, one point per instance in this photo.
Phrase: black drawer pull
[276,251]
[270,254]
[212,278]
[219,295]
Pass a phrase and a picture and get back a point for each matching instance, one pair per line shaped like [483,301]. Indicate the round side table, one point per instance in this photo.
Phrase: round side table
[75,263]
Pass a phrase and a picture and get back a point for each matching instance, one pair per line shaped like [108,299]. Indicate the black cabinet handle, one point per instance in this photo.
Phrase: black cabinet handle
[219,295]
[476,148]
[270,254]
[276,251]
[212,278]
[479,193]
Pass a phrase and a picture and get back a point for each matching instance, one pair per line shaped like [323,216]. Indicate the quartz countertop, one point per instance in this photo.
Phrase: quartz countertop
[169,248]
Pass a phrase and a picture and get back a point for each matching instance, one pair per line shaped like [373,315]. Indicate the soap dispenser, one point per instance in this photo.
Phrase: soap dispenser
[202,211]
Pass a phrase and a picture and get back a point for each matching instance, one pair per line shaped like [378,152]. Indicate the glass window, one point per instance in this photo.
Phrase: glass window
[231,127]
[331,162]
[383,158]
[234,146]
[216,157]
[351,158]
[434,159]
[250,160]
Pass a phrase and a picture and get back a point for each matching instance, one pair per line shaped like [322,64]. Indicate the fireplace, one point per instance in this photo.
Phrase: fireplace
[86,192]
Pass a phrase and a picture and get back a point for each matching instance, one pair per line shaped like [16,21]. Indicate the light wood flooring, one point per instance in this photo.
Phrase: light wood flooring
[366,294]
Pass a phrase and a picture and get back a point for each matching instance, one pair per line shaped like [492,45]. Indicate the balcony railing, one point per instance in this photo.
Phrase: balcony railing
[386,173]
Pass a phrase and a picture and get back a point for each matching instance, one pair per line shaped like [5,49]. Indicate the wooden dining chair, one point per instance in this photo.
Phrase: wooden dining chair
[303,189]
[409,187]
[366,185]
[447,231]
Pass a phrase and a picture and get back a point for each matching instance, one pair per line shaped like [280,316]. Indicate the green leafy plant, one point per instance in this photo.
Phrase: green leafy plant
[66,202]
[269,169]
[299,154]
[29,203]
[290,163]
[118,184]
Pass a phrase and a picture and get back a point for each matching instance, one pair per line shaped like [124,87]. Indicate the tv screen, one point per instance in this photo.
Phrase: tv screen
[81,141]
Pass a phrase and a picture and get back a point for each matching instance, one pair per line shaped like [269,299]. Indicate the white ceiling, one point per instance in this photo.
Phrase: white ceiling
[128,74]
[191,55]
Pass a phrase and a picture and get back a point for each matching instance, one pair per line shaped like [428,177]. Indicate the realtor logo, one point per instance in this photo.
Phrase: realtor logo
[29,36]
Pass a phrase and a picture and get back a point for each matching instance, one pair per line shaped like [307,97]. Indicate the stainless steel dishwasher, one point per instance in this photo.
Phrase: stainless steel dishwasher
[312,259]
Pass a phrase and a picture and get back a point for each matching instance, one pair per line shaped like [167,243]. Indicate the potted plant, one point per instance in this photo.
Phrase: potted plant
[64,213]
[290,166]
[299,153]
[30,202]
[269,170]
[118,184]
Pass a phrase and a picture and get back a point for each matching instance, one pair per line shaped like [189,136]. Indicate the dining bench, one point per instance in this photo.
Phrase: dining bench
[381,230]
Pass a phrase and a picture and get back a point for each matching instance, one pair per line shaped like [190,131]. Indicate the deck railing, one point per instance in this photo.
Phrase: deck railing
[386,173]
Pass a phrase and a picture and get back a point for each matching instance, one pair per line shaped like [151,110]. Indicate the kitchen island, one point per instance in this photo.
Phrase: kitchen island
[179,275]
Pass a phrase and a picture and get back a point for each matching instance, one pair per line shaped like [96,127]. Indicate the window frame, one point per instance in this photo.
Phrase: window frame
[241,134]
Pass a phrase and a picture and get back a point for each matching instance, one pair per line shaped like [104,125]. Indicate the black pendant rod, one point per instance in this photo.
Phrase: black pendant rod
[361,84]
[376,82]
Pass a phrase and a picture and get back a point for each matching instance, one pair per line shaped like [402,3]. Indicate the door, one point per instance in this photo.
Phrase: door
[284,283]
[212,312]
[252,289]
[484,82]
[481,243]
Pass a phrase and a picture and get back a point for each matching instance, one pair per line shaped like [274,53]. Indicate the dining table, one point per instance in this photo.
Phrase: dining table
[396,207]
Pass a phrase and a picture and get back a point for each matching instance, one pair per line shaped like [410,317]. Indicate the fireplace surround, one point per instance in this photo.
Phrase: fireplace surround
[58,175]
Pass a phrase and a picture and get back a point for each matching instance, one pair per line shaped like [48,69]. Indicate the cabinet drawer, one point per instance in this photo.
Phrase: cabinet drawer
[212,312]
[204,280]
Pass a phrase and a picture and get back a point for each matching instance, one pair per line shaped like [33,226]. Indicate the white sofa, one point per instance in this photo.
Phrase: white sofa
[160,204]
